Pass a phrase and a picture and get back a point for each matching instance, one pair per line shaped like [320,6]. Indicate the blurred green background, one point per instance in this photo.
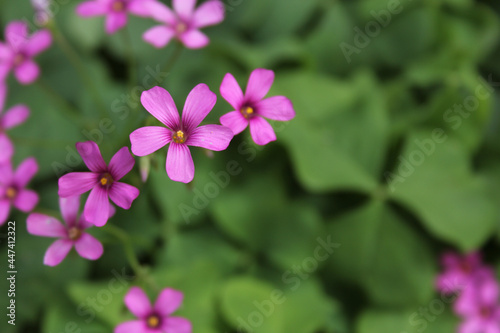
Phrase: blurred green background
[393,157]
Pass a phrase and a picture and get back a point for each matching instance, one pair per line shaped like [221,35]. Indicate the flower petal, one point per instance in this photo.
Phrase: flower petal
[147,140]
[177,325]
[91,155]
[88,247]
[6,148]
[138,302]
[92,8]
[235,121]
[26,200]
[213,137]
[141,8]
[115,21]
[69,209]
[194,39]
[199,103]
[16,34]
[209,13]
[180,166]
[159,36]
[123,194]
[4,211]
[162,13]
[168,302]
[160,104]
[184,8]
[77,183]
[276,108]
[15,116]
[134,326]
[231,91]
[25,171]
[57,252]
[6,172]
[261,131]
[38,42]
[472,325]
[96,208]
[259,83]
[45,226]
[121,164]
[27,72]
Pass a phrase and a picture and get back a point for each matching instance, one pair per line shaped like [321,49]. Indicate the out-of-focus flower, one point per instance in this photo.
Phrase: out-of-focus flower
[180,132]
[11,118]
[70,234]
[184,23]
[116,11]
[154,318]
[43,14]
[103,180]
[458,271]
[251,108]
[13,191]
[17,52]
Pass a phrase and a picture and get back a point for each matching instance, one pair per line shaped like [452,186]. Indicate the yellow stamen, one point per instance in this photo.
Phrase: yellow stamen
[118,6]
[247,111]
[153,321]
[11,193]
[106,179]
[179,137]
[74,233]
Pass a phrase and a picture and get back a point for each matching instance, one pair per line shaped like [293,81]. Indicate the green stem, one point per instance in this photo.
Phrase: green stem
[169,64]
[132,63]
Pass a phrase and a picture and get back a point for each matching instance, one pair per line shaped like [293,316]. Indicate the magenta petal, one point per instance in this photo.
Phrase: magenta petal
[27,72]
[168,302]
[213,137]
[121,164]
[123,194]
[91,155]
[25,171]
[16,34]
[194,39]
[235,121]
[6,148]
[261,131]
[57,252]
[159,36]
[137,302]
[26,200]
[472,325]
[134,326]
[15,116]
[199,103]
[209,13]
[259,83]
[69,209]
[6,173]
[177,325]
[276,108]
[160,104]
[180,166]
[141,8]
[161,13]
[77,183]
[4,211]
[231,91]
[88,247]
[92,8]
[147,140]
[96,208]
[45,226]
[38,42]
[115,21]
[4,72]
[184,8]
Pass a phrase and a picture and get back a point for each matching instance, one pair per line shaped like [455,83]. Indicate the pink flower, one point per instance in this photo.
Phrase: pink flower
[156,318]
[180,133]
[12,118]
[115,11]
[184,22]
[103,180]
[251,108]
[13,188]
[18,52]
[458,271]
[71,234]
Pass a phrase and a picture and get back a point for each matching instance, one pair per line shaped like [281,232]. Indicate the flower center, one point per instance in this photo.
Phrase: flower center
[118,6]
[485,312]
[11,193]
[466,267]
[74,233]
[247,112]
[181,27]
[179,137]
[106,179]
[153,321]
[19,59]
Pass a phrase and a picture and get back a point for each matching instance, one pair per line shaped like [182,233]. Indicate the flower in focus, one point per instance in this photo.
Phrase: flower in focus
[156,318]
[184,22]
[116,11]
[103,180]
[70,234]
[458,271]
[12,118]
[251,108]
[13,188]
[180,132]
[19,49]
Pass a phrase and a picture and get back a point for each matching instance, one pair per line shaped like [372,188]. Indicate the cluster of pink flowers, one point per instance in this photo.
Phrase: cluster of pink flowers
[477,291]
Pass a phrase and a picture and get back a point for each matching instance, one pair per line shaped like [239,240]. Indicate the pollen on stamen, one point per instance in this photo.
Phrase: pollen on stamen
[118,6]
[179,137]
[106,180]
[247,111]
[11,193]
[153,321]
[74,233]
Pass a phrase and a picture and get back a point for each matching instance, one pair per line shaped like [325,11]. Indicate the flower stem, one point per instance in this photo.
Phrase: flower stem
[132,62]
[169,64]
